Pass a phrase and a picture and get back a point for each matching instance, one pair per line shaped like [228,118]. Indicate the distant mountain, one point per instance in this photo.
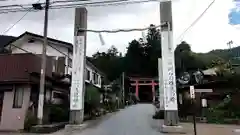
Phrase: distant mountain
[228,54]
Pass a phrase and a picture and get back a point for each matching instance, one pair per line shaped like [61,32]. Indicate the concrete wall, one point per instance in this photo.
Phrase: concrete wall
[13,118]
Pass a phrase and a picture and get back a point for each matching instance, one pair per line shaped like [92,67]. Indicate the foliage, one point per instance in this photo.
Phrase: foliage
[186,60]
[30,120]
[92,99]
[58,113]
[223,110]
[158,115]
[141,58]
[110,62]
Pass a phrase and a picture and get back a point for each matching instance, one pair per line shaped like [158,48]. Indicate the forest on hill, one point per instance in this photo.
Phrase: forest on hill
[142,56]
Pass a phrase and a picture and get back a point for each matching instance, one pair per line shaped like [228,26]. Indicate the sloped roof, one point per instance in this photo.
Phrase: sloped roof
[12,39]
[68,45]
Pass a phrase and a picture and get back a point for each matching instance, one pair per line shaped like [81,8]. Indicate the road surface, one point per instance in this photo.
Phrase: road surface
[134,120]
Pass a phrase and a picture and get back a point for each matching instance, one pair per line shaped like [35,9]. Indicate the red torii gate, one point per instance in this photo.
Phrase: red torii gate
[138,81]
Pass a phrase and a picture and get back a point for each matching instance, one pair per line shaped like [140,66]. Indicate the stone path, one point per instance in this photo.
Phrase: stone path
[135,120]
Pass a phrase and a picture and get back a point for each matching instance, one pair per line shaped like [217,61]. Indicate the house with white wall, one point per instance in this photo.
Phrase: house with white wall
[20,71]
[59,50]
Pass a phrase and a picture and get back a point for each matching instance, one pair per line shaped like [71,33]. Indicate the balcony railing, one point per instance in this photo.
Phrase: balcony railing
[17,67]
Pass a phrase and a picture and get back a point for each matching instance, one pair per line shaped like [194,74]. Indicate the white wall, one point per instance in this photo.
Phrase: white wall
[13,118]
[36,48]
[92,77]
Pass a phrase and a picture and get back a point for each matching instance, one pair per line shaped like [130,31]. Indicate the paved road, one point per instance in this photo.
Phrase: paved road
[135,120]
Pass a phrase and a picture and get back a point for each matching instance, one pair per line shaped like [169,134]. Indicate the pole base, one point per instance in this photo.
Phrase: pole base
[172,129]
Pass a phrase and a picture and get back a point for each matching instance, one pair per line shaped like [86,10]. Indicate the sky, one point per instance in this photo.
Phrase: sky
[212,31]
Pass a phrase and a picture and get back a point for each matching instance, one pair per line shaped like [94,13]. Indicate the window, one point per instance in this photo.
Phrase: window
[95,78]
[18,98]
[88,75]
[58,95]
[70,62]
[99,80]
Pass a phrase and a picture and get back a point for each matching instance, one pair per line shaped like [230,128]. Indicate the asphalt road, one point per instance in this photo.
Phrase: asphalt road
[134,120]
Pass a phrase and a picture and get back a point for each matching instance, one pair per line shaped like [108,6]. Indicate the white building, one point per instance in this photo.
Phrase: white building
[60,51]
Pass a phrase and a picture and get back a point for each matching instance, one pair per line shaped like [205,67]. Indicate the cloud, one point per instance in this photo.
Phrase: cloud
[112,17]
[211,32]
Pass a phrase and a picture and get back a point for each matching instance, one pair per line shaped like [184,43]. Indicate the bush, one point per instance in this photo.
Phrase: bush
[113,105]
[30,120]
[158,115]
[223,111]
[92,100]
[58,113]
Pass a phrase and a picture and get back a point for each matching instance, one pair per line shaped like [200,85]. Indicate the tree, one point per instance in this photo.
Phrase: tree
[141,57]
[186,60]
[109,62]
[133,60]
[153,50]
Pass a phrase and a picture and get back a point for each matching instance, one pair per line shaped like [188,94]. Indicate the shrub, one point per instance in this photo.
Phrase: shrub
[92,100]
[58,113]
[158,115]
[224,110]
[30,120]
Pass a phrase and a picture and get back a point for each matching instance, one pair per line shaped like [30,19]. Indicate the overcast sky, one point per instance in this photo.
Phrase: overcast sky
[211,32]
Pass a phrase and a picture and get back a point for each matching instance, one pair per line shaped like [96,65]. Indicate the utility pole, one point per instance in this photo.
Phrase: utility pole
[43,68]
[168,63]
[230,44]
[79,62]
[123,88]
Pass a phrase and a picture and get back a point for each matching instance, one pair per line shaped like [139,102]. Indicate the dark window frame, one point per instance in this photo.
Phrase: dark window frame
[88,73]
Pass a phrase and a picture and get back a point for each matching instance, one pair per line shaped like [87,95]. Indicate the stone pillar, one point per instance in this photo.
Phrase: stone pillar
[153,90]
[136,89]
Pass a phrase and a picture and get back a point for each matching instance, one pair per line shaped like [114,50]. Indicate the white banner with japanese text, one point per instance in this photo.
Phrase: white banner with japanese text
[168,66]
[77,86]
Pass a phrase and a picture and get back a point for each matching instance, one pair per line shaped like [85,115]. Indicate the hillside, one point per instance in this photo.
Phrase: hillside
[232,55]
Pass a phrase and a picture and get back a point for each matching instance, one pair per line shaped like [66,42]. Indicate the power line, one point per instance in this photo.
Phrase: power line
[195,21]
[103,4]
[23,8]
[17,21]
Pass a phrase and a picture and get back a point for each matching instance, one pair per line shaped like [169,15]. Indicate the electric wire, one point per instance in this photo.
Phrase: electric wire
[195,21]
[17,21]
[24,8]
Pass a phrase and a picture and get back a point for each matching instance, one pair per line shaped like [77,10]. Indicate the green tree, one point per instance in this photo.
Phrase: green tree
[110,62]
[142,57]
[133,60]
[186,60]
